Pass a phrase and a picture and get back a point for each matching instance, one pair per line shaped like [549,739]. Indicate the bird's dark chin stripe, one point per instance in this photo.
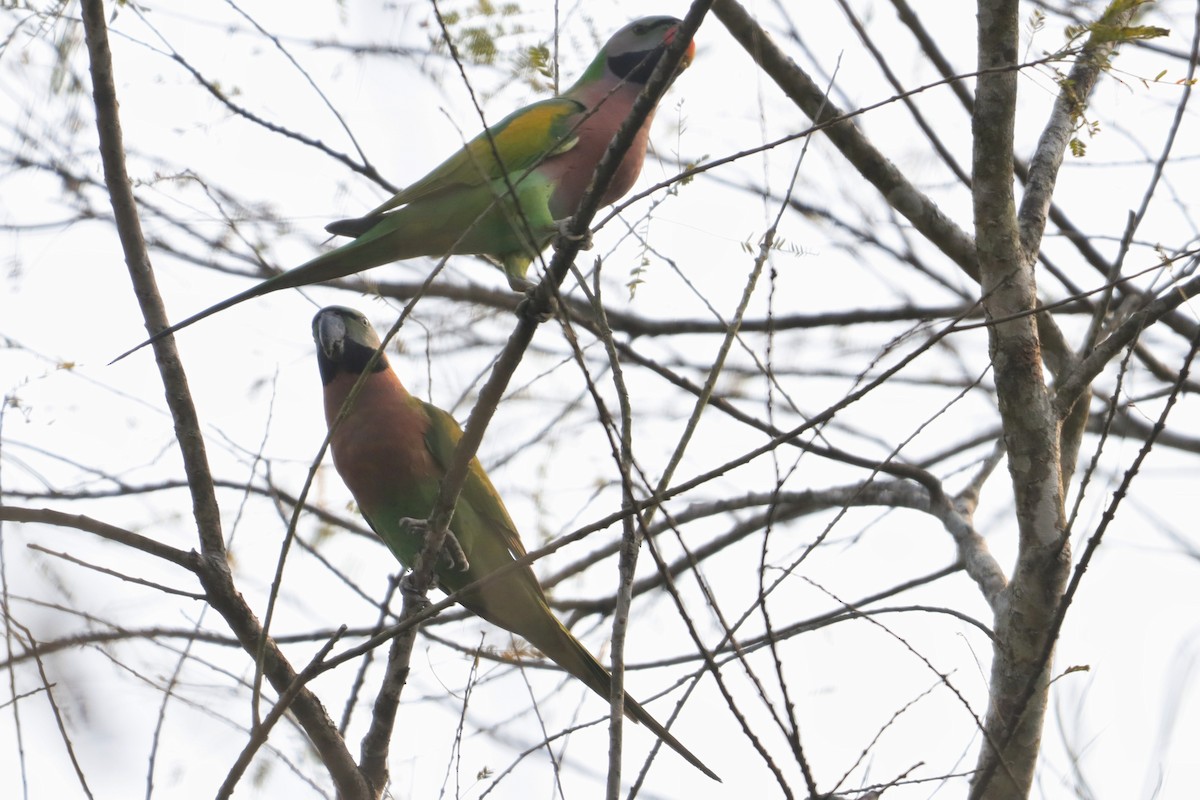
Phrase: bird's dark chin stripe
[352,360]
[329,369]
[355,356]
[635,67]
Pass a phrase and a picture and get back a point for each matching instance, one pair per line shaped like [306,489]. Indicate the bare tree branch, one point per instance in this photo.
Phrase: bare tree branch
[890,182]
[214,571]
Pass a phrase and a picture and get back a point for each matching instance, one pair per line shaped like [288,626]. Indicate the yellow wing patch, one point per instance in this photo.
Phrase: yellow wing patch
[522,138]
[536,127]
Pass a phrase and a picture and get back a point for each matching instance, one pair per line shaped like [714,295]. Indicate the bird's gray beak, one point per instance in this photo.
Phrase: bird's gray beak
[330,332]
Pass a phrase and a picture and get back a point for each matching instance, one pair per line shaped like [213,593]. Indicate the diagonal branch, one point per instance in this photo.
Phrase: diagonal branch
[873,165]
[1075,383]
[891,183]
[540,301]
[538,306]
[46,516]
[1052,145]
[214,571]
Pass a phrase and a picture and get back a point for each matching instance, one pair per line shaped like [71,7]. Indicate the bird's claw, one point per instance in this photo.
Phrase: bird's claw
[520,284]
[527,308]
[410,592]
[583,239]
[452,552]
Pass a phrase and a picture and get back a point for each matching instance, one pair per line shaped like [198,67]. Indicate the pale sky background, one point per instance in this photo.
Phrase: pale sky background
[65,298]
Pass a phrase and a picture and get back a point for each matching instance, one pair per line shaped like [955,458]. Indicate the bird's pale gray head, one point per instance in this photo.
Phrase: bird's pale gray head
[634,51]
[345,342]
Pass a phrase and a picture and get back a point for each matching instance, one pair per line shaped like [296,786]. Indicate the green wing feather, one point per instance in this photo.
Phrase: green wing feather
[523,139]
[480,515]
[517,603]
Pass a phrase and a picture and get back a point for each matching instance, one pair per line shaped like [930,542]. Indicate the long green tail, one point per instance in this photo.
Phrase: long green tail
[346,260]
[566,651]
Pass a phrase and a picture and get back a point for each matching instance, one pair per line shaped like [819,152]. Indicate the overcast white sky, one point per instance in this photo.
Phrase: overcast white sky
[65,299]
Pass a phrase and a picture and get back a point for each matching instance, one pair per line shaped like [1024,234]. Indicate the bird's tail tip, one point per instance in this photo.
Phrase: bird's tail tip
[638,714]
[130,352]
